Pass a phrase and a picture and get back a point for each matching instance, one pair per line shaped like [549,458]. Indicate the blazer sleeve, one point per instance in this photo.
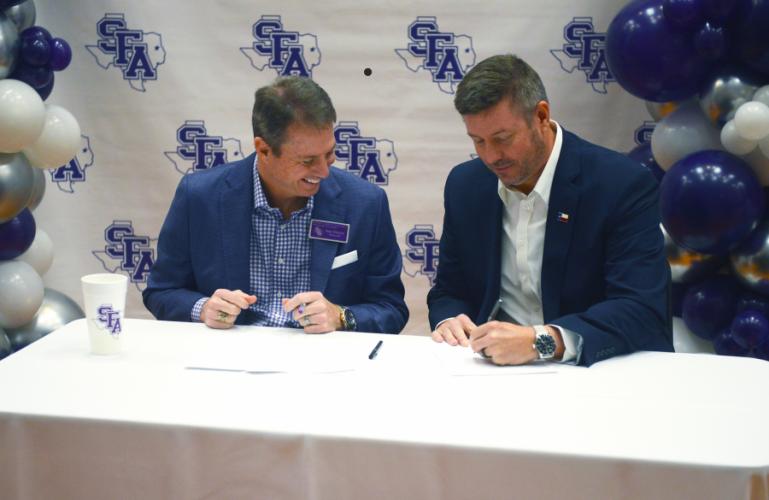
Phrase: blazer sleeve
[170,293]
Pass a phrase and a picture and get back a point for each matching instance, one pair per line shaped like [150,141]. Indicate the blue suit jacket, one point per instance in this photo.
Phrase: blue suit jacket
[604,272]
[205,240]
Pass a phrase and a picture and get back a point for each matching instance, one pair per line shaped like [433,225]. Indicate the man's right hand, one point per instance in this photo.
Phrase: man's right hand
[222,308]
[454,331]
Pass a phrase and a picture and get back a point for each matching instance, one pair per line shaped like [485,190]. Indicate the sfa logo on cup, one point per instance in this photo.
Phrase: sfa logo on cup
[109,318]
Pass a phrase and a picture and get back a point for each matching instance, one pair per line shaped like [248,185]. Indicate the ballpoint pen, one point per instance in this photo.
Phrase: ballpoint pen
[375,350]
[495,310]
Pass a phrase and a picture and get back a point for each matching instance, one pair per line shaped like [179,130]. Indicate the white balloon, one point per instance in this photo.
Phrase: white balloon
[681,133]
[22,115]
[752,120]
[760,165]
[59,141]
[21,293]
[733,142]
[685,341]
[762,95]
[764,146]
[39,255]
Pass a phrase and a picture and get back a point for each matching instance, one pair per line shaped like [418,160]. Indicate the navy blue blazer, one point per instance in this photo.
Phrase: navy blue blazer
[604,272]
[205,240]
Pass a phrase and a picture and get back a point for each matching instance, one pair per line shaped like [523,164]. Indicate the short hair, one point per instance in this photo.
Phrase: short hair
[496,78]
[289,100]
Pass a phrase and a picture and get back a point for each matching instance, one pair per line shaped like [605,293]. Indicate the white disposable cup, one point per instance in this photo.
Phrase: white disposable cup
[104,297]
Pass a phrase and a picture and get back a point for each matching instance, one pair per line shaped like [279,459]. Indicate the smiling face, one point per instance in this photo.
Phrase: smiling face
[513,148]
[304,161]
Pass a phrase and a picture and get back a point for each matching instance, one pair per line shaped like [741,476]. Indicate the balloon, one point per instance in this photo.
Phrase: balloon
[37,32]
[683,14]
[651,58]
[16,184]
[752,35]
[763,145]
[725,345]
[687,266]
[710,201]
[751,259]
[718,10]
[21,293]
[681,133]
[733,142]
[38,189]
[56,311]
[762,95]
[35,51]
[59,141]
[40,254]
[4,4]
[9,45]
[759,164]
[61,54]
[643,155]
[22,115]
[677,291]
[46,90]
[685,341]
[34,76]
[16,235]
[23,15]
[710,41]
[5,344]
[750,329]
[762,351]
[709,306]
[752,120]
[724,92]
[659,110]
[750,301]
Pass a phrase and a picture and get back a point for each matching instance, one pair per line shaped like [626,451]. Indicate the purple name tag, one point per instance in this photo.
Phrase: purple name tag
[329,231]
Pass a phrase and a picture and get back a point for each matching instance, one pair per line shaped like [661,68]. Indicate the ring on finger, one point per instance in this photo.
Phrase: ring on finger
[222,316]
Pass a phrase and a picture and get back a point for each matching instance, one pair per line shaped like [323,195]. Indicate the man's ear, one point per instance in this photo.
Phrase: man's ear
[262,148]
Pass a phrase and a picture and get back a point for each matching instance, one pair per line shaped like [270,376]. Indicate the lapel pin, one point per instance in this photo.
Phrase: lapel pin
[563,217]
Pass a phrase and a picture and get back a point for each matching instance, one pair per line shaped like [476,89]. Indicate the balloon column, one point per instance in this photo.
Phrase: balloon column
[702,66]
[33,136]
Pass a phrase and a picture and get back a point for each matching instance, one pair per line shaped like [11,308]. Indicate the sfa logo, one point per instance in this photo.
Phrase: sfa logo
[445,55]
[109,318]
[197,150]
[287,52]
[67,175]
[136,53]
[127,252]
[643,133]
[585,50]
[423,251]
[371,158]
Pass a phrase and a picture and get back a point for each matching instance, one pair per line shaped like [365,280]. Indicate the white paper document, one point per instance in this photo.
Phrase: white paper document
[462,361]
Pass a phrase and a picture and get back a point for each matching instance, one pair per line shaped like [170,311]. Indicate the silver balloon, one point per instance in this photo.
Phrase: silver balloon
[22,15]
[724,93]
[659,110]
[17,180]
[5,344]
[9,45]
[38,189]
[751,260]
[56,311]
[685,265]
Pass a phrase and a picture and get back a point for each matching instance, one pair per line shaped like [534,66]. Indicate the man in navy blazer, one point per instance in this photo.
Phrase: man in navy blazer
[551,246]
[286,240]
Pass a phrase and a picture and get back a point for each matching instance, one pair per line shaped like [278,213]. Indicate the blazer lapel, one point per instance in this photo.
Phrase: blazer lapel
[236,202]
[493,230]
[327,206]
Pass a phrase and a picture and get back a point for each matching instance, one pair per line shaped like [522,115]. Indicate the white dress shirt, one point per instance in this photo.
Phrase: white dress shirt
[523,238]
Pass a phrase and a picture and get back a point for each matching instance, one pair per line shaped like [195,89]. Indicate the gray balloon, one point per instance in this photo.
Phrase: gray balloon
[751,259]
[17,180]
[38,189]
[23,15]
[724,93]
[685,265]
[5,344]
[56,311]
[9,45]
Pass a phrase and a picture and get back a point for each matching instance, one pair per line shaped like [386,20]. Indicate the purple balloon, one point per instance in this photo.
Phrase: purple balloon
[761,352]
[61,54]
[710,41]
[752,29]
[709,306]
[36,32]
[750,329]
[35,51]
[683,14]
[750,301]
[651,58]
[725,345]
[34,76]
[643,155]
[46,90]
[4,4]
[719,10]
[678,292]
[17,235]
[710,201]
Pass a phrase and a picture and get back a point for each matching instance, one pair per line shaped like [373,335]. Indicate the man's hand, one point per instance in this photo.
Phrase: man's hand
[314,313]
[454,331]
[509,344]
[223,307]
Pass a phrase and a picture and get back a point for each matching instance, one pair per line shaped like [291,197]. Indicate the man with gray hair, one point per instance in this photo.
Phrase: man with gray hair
[281,238]
[551,246]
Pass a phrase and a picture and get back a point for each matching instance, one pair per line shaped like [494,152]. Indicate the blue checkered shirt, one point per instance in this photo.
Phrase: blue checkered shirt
[280,259]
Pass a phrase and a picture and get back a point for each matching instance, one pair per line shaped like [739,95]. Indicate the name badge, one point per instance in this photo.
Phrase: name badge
[337,232]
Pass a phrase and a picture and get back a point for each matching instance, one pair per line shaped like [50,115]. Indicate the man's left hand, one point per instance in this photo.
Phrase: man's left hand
[509,344]
[314,313]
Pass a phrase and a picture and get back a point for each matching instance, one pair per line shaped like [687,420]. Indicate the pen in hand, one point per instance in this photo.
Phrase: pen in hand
[495,310]
[375,350]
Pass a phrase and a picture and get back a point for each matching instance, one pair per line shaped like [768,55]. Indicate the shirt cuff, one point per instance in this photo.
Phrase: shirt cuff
[572,343]
[198,308]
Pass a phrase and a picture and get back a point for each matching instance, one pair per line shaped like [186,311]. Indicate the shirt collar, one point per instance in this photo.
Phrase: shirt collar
[260,198]
[545,181]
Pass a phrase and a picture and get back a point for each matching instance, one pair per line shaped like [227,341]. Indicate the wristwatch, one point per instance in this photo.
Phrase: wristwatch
[544,343]
[347,318]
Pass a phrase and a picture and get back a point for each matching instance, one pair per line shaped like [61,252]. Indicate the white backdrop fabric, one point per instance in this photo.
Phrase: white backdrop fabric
[162,89]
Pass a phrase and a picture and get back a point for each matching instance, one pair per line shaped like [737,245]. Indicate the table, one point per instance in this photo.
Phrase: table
[140,425]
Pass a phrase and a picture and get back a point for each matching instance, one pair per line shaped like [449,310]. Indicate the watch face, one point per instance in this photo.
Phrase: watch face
[349,318]
[545,345]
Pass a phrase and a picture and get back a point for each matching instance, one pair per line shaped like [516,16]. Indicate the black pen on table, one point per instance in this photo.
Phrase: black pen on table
[375,350]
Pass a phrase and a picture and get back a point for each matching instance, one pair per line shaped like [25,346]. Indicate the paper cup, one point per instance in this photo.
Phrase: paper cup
[104,297]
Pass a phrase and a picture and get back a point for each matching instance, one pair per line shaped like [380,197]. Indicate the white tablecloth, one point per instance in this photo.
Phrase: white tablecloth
[140,425]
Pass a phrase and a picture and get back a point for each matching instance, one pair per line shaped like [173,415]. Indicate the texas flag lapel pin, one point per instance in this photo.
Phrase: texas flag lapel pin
[563,217]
